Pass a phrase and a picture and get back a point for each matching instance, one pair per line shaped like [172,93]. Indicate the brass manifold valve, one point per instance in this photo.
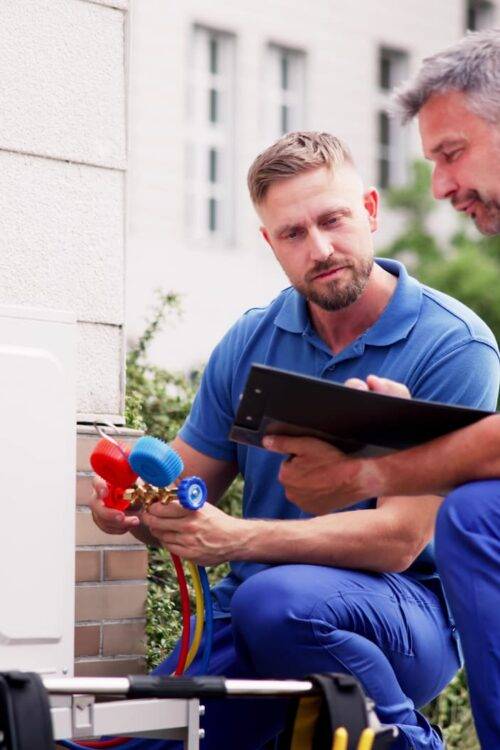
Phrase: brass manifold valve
[155,463]
[145,495]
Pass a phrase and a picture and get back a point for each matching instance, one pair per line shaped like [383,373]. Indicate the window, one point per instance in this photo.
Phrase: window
[210,148]
[392,67]
[480,15]
[392,158]
[285,71]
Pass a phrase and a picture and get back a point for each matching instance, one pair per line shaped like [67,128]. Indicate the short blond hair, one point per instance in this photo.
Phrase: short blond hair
[294,154]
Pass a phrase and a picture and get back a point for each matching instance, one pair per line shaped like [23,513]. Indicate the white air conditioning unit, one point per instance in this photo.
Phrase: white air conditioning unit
[37,490]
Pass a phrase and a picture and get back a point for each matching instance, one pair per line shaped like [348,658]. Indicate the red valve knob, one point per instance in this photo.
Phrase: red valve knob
[110,461]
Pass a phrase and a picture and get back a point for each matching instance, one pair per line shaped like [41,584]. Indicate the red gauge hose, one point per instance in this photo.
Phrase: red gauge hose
[115,742]
[186,614]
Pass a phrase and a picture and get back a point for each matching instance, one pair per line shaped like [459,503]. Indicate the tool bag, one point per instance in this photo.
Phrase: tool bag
[338,702]
[25,720]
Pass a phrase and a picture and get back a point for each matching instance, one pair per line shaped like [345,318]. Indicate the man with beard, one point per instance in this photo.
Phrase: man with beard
[456,96]
[352,592]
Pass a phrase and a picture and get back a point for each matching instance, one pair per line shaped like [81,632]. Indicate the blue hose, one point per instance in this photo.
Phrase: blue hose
[209,621]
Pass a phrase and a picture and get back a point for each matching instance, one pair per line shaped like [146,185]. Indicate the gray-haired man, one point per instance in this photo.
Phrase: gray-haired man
[457,99]
[456,96]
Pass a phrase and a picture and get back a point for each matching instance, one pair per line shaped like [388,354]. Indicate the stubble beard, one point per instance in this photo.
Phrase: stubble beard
[488,222]
[336,294]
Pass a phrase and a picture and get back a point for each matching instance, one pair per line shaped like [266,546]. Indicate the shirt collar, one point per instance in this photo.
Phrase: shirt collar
[293,315]
[394,324]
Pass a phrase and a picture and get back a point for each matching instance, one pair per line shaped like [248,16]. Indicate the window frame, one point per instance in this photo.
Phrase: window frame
[392,156]
[285,105]
[210,145]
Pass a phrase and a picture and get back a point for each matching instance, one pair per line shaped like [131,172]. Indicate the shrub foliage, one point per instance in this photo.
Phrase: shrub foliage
[158,401]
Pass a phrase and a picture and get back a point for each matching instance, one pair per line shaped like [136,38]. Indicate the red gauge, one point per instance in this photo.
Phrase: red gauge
[109,460]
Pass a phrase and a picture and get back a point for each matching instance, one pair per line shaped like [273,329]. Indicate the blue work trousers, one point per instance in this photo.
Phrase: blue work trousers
[389,631]
[468,556]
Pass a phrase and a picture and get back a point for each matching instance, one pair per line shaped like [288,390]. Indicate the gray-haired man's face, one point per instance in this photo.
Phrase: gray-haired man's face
[465,150]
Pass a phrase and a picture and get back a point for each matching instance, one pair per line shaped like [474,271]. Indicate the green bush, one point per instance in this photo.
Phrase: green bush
[158,402]
[451,710]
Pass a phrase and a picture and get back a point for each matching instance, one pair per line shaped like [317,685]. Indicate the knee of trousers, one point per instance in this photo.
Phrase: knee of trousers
[466,511]
[268,608]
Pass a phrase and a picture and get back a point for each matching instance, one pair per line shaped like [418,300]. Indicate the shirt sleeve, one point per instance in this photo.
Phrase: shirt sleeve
[207,426]
[467,375]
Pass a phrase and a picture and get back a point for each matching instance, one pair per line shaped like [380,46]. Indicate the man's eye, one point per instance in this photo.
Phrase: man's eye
[452,155]
[332,221]
[293,234]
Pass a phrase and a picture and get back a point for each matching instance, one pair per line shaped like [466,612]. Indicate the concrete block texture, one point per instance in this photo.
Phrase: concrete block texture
[100,382]
[122,4]
[63,80]
[61,238]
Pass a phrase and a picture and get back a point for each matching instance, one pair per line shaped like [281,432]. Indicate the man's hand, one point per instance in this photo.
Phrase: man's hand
[207,536]
[319,478]
[217,474]
[109,520]
[379,385]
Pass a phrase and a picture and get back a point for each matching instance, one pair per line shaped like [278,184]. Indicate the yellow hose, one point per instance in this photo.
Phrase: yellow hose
[340,739]
[367,739]
[200,613]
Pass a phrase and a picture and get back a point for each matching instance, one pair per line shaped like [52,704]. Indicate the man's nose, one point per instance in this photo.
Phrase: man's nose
[443,183]
[320,245]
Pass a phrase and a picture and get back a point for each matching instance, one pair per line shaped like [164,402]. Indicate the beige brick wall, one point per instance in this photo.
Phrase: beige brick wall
[110,584]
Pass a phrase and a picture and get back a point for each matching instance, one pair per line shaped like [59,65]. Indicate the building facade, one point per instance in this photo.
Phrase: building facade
[63,158]
[62,177]
[212,84]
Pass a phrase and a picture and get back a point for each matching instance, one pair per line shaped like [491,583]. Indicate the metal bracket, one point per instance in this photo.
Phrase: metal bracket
[82,715]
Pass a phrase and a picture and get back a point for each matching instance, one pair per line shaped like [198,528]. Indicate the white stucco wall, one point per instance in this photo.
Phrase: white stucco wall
[341,40]
[62,176]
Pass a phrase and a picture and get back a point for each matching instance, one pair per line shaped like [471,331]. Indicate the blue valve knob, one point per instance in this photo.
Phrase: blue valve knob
[192,493]
[155,461]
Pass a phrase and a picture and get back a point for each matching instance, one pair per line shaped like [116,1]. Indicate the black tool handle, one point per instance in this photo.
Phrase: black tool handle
[144,686]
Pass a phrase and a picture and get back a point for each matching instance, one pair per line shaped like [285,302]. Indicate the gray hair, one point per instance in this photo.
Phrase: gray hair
[471,66]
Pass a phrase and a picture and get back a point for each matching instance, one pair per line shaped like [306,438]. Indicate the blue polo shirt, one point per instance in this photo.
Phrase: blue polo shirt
[431,342]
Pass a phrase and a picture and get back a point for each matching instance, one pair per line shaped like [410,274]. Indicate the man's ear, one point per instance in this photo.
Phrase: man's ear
[265,234]
[371,203]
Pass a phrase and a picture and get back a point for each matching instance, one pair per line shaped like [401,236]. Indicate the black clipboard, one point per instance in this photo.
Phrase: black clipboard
[284,403]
